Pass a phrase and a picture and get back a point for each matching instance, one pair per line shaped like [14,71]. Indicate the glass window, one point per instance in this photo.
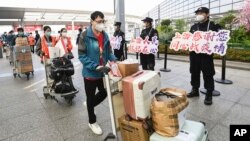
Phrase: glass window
[238,5]
[237,0]
[225,8]
[198,3]
[225,2]
[214,10]
[205,5]
[191,1]
[214,4]
[204,1]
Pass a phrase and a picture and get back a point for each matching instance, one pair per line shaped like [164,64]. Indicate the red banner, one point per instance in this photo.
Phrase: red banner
[76,27]
[30,28]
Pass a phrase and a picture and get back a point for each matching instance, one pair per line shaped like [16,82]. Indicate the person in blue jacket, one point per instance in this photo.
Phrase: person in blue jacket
[94,52]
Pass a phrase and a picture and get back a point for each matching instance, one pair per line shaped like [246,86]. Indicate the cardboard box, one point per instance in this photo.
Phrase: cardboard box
[119,110]
[21,41]
[133,130]
[24,69]
[23,56]
[128,69]
[22,49]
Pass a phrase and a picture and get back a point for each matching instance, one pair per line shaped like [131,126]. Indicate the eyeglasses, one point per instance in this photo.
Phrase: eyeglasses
[101,21]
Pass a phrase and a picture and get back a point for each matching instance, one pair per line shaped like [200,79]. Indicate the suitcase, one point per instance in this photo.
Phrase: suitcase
[191,131]
[138,91]
[133,130]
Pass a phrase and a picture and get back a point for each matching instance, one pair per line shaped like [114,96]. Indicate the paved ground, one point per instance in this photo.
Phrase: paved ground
[26,116]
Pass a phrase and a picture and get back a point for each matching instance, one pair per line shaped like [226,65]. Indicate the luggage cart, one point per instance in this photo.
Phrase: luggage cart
[112,135]
[21,64]
[48,90]
[11,56]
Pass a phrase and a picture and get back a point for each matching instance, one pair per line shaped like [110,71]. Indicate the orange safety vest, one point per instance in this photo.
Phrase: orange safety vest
[45,46]
[31,40]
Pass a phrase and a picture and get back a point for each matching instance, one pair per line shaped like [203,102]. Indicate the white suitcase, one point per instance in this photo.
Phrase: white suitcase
[191,131]
[138,91]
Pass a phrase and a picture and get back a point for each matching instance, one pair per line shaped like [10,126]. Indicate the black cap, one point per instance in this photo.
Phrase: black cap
[202,9]
[147,19]
[117,24]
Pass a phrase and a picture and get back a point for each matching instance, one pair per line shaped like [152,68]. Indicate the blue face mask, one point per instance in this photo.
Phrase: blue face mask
[20,33]
[47,34]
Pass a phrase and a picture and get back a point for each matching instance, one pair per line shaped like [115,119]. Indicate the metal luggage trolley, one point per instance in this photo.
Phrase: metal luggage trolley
[116,107]
[22,61]
[48,90]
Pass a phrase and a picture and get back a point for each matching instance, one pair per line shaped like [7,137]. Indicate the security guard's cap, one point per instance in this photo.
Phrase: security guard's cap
[202,9]
[147,19]
[117,24]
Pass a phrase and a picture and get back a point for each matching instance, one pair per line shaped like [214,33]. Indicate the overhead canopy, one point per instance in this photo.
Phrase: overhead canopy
[38,16]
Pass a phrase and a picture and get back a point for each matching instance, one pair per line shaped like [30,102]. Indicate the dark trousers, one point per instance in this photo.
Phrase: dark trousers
[93,99]
[32,48]
[119,54]
[147,61]
[204,63]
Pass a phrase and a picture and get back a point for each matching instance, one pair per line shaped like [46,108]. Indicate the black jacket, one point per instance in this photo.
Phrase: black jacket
[204,27]
[149,32]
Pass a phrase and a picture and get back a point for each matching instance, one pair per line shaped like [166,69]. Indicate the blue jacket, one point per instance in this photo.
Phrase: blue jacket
[89,53]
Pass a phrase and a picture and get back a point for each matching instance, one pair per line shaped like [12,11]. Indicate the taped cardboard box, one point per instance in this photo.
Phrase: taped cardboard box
[133,130]
[128,67]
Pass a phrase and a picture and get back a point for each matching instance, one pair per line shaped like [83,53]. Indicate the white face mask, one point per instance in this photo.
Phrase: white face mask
[100,27]
[200,18]
[64,34]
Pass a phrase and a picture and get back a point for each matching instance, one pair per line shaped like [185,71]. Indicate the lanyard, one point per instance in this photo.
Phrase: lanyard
[208,26]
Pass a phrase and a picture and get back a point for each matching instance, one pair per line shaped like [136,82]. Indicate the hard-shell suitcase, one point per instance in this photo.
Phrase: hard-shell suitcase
[138,91]
[191,131]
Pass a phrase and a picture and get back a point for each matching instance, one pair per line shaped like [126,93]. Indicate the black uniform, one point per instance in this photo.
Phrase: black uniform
[202,62]
[119,54]
[148,60]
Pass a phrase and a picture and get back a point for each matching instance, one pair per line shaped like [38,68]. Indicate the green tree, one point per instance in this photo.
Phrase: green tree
[227,20]
[165,22]
[180,25]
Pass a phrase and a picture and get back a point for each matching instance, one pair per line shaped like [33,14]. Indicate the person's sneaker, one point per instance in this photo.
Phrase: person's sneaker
[85,103]
[95,128]
[193,93]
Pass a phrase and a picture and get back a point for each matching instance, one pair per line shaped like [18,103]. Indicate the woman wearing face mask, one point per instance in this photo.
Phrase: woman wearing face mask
[94,52]
[64,42]
[44,43]
[202,62]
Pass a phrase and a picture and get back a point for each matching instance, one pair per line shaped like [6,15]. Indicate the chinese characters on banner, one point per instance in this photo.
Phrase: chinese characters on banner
[202,42]
[115,42]
[139,45]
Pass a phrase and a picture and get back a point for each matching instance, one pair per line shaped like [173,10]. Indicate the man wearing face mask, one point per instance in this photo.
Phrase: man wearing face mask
[44,43]
[94,52]
[202,62]
[118,33]
[148,60]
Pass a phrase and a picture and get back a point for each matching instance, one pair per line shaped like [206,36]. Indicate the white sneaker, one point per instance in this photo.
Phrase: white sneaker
[96,128]
[85,103]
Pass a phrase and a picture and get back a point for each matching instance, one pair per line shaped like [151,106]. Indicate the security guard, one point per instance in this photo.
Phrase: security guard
[119,52]
[148,60]
[202,62]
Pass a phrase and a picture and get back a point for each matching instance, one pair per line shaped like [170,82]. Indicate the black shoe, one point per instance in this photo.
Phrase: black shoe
[193,93]
[208,98]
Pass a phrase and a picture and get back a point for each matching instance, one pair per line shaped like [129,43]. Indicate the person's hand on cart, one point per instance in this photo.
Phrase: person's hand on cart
[103,69]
